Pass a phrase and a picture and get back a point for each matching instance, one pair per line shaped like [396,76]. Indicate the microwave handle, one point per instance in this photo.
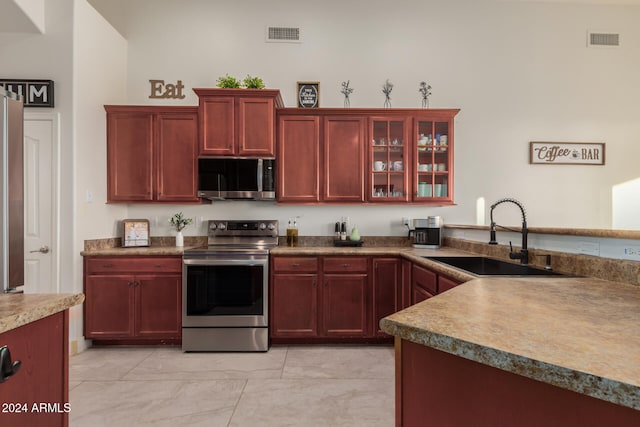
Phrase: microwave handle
[259,173]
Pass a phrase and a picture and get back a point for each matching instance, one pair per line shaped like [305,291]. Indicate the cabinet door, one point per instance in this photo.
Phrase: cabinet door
[294,305]
[344,305]
[256,130]
[129,157]
[343,170]
[217,126]
[177,157]
[445,283]
[158,308]
[386,290]
[389,160]
[43,348]
[433,179]
[108,306]
[423,284]
[298,158]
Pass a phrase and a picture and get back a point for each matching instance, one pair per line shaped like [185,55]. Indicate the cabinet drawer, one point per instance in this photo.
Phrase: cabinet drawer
[295,264]
[345,264]
[95,265]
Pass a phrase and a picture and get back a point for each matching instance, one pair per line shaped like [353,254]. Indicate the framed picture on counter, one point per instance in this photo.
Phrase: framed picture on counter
[308,94]
[135,233]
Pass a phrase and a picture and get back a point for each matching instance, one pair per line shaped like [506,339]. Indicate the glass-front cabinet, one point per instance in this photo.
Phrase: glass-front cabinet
[389,160]
[433,173]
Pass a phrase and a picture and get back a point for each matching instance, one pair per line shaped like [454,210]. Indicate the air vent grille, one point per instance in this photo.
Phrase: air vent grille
[283,34]
[603,39]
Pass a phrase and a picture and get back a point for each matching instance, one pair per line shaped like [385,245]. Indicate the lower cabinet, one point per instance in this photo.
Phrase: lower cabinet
[327,298]
[43,379]
[133,299]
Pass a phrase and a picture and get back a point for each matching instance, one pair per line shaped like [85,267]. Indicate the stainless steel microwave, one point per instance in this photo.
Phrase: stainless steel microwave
[232,178]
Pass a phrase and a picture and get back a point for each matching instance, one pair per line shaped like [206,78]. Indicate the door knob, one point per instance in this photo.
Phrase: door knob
[44,250]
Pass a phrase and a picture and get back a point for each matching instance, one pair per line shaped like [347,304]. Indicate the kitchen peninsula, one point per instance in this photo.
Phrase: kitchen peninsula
[520,351]
[35,329]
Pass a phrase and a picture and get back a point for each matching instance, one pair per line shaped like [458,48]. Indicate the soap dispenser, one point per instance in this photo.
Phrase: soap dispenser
[355,234]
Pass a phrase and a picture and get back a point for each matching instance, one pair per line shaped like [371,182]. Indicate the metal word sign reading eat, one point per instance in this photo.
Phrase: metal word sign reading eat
[566,153]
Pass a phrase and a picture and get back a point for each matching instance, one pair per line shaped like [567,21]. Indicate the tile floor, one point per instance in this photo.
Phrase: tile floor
[287,386]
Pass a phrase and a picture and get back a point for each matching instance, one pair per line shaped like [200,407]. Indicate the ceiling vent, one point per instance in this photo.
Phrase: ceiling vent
[283,35]
[598,39]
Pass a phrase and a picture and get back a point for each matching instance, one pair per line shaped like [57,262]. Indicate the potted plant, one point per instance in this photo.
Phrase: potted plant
[179,222]
[230,82]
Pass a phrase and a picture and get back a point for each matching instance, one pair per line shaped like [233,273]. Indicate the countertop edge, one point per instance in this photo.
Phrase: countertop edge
[30,308]
[613,391]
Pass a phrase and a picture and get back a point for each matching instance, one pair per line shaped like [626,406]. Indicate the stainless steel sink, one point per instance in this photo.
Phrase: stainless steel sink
[484,266]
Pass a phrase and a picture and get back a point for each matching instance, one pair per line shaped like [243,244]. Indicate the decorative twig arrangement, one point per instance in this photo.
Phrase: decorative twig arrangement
[346,91]
[425,90]
[387,87]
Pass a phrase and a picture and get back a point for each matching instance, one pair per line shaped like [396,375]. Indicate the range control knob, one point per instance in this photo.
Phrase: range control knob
[213,226]
[222,226]
[262,226]
[271,226]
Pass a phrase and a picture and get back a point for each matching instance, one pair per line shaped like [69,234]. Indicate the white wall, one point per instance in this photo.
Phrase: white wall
[519,72]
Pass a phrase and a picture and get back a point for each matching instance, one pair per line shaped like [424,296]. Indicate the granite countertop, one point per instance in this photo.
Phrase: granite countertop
[580,334]
[20,309]
[142,251]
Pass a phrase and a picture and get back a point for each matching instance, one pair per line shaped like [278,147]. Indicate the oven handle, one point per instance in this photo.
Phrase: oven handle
[262,260]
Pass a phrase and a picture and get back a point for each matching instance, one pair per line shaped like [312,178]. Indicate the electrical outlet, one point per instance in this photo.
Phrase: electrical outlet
[632,252]
[589,248]
[406,221]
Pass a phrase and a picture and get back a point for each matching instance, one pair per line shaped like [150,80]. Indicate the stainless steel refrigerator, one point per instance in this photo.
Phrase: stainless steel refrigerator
[11,191]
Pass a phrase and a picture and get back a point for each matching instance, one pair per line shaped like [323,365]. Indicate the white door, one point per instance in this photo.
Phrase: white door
[40,195]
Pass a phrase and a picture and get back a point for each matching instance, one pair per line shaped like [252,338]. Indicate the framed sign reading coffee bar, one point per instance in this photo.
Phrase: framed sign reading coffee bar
[566,153]
[308,94]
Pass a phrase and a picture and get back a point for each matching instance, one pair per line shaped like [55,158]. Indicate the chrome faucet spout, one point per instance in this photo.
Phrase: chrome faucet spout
[523,255]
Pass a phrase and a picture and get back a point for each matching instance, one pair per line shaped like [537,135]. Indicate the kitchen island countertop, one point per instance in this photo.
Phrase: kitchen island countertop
[579,334]
[21,309]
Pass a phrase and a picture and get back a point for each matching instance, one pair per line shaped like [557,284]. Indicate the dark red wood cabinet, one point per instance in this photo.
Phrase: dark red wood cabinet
[43,349]
[320,157]
[133,299]
[238,122]
[424,284]
[151,154]
[332,298]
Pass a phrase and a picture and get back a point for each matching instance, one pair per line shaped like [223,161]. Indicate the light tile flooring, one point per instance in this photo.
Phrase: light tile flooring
[287,386]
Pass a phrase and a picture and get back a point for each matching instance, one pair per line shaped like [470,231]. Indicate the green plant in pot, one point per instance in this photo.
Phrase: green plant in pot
[228,82]
[253,82]
[179,222]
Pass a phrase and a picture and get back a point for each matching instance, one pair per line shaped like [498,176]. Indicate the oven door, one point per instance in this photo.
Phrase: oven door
[225,290]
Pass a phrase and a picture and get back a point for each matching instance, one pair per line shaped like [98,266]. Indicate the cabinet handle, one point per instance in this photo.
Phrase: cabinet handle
[313,283]
[136,283]
[7,367]
[107,265]
[345,265]
[376,266]
[295,265]
[129,283]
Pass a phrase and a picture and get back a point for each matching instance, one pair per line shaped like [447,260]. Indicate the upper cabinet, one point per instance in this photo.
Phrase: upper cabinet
[152,154]
[238,122]
[320,158]
[392,156]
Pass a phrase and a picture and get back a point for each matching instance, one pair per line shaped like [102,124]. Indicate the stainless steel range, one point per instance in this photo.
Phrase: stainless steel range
[225,288]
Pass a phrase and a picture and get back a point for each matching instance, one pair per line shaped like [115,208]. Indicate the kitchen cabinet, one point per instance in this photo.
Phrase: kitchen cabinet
[237,122]
[151,154]
[345,296]
[387,291]
[298,162]
[133,299]
[42,347]
[389,160]
[424,284]
[294,297]
[331,298]
[446,283]
[330,147]
[365,155]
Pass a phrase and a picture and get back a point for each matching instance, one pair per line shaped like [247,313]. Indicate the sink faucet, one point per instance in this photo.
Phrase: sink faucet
[523,255]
